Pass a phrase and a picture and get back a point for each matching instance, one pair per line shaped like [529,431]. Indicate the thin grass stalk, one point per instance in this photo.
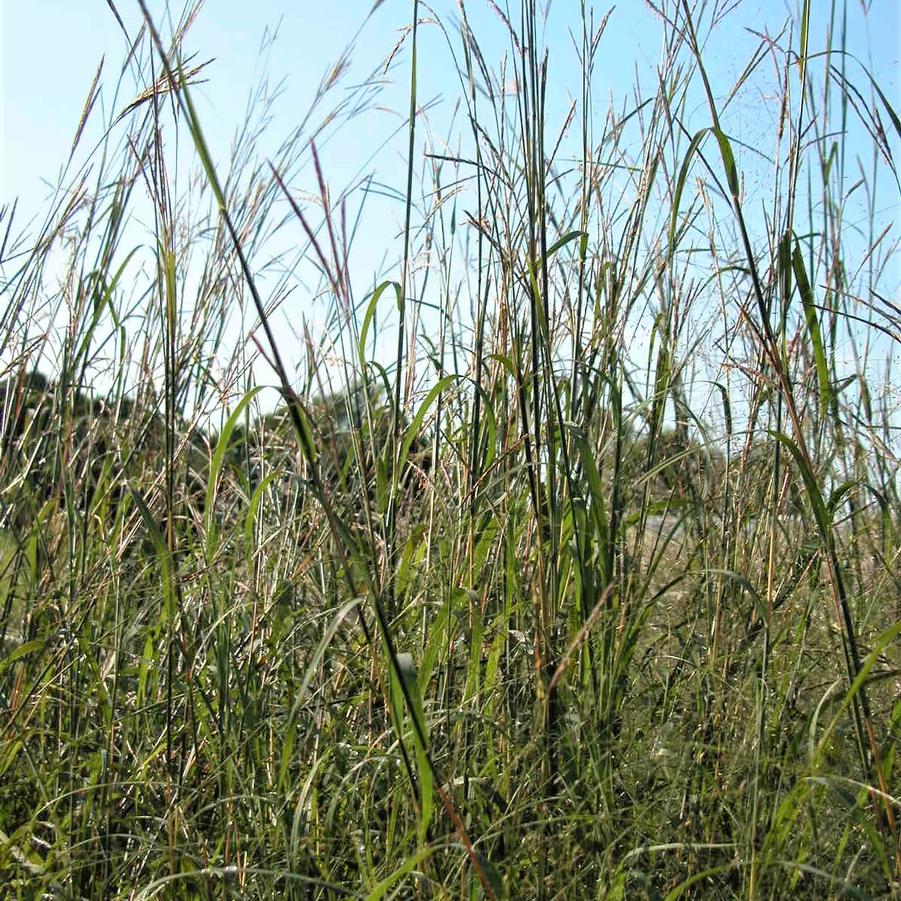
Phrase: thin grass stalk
[479,864]
[863,719]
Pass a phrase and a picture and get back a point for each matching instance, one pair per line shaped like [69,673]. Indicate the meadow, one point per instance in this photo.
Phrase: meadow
[567,564]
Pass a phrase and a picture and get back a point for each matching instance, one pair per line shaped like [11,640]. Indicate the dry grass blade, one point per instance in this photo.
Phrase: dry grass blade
[171,81]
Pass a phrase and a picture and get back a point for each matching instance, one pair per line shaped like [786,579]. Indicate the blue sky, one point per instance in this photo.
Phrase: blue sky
[51,49]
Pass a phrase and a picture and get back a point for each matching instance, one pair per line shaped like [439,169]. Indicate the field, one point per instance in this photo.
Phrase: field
[566,563]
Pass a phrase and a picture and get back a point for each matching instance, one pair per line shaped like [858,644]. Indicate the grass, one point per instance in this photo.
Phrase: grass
[530,607]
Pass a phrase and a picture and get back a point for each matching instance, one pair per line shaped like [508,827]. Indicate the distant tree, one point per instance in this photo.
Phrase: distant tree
[64,443]
[351,434]
[676,467]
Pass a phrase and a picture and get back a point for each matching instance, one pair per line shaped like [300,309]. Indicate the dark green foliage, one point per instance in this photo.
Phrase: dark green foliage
[353,442]
[71,447]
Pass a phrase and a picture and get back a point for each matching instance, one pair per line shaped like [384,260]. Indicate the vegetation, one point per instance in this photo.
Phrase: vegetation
[535,607]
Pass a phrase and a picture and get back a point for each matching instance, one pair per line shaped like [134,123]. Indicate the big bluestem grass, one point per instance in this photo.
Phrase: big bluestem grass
[586,586]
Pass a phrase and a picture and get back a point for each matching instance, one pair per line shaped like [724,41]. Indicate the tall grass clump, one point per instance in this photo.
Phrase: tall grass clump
[560,561]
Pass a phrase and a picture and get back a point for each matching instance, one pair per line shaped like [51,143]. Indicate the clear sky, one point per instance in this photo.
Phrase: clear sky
[51,49]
